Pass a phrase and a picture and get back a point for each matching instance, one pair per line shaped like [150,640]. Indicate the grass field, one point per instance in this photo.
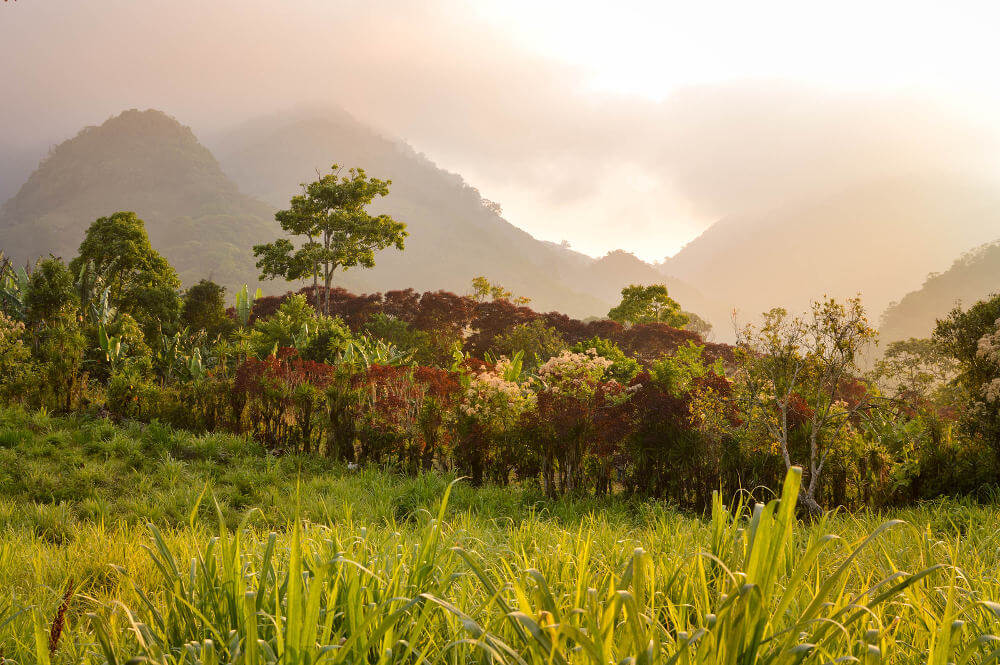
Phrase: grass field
[121,542]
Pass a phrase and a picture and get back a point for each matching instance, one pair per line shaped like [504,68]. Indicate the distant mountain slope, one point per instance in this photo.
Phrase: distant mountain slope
[454,236]
[146,162]
[879,239]
[974,276]
[17,161]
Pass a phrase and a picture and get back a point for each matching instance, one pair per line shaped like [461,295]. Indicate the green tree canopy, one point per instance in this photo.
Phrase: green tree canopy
[116,253]
[648,304]
[971,338]
[50,291]
[537,341]
[483,289]
[338,232]
[204,308]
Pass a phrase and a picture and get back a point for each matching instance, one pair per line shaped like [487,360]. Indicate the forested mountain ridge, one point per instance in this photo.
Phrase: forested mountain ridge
[148,163]
[972,277]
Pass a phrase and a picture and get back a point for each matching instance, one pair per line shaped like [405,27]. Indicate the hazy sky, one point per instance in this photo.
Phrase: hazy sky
[631,125]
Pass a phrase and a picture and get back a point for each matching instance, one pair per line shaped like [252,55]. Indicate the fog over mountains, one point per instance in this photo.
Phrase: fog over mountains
[879,239]
[878,231]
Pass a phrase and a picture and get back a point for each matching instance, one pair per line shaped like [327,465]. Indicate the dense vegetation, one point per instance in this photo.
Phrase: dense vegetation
[483,386]
[285,412]
[143,161]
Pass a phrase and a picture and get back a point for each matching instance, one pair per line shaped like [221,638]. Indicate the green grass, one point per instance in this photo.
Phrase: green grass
[184,549]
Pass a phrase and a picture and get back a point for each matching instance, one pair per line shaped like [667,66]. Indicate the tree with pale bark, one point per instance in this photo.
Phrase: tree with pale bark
[799,374]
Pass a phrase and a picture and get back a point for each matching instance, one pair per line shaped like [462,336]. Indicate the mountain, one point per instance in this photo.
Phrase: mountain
[878,239]
[197,215]
[146,162]
[455,234]
[974,276]
[18,161]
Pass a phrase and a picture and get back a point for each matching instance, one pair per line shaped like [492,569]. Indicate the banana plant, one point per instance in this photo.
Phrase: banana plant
[244,304]
[111,345]
[183,354]
[168,353]
[301,340]
[366,351]
[194,365]
[514,370]
[13,286]
[100,308]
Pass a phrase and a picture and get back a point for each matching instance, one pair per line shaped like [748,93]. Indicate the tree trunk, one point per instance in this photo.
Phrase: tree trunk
[808,500]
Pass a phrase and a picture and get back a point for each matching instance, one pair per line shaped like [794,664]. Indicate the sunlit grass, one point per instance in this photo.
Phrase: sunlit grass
[383,569]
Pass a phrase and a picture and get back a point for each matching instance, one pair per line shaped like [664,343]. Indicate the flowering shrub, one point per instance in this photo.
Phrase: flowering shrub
[578,422]
[988,349]
[488,416]
[573,374]
[15,369]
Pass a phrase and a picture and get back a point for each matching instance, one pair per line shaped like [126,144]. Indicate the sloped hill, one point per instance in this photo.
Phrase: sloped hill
[606,276]
[146,162]
[878,239]
[974,276]
[454,234]
[201,221]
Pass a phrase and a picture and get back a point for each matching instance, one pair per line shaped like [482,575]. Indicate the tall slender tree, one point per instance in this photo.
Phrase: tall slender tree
[334,228]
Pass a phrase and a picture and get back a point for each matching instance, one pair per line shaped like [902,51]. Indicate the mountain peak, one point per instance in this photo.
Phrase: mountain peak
[149,163]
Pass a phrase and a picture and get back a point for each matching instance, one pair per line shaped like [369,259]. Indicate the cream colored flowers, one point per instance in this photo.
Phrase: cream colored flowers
[988,349]
[493,401]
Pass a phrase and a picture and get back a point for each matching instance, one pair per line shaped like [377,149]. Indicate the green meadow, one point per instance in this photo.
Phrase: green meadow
[137,543]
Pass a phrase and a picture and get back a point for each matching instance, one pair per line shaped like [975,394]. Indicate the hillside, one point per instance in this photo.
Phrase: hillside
[879,239]
[972,277]
[201,220]
[146,162]
[454,236]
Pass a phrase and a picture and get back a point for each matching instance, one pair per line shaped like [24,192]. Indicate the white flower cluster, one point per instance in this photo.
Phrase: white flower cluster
[574,367]
[992,391]
[10,329]
[493,401]
[988,349]
[573,373]
[989,345]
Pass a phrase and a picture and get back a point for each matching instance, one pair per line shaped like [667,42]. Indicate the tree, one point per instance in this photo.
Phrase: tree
[698,325]
[117,254]
[204,308]
[535,340]
[482,289]
[50,290]
[800,374]
[972,338]
[648,304]
[330,216]
[916,369]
